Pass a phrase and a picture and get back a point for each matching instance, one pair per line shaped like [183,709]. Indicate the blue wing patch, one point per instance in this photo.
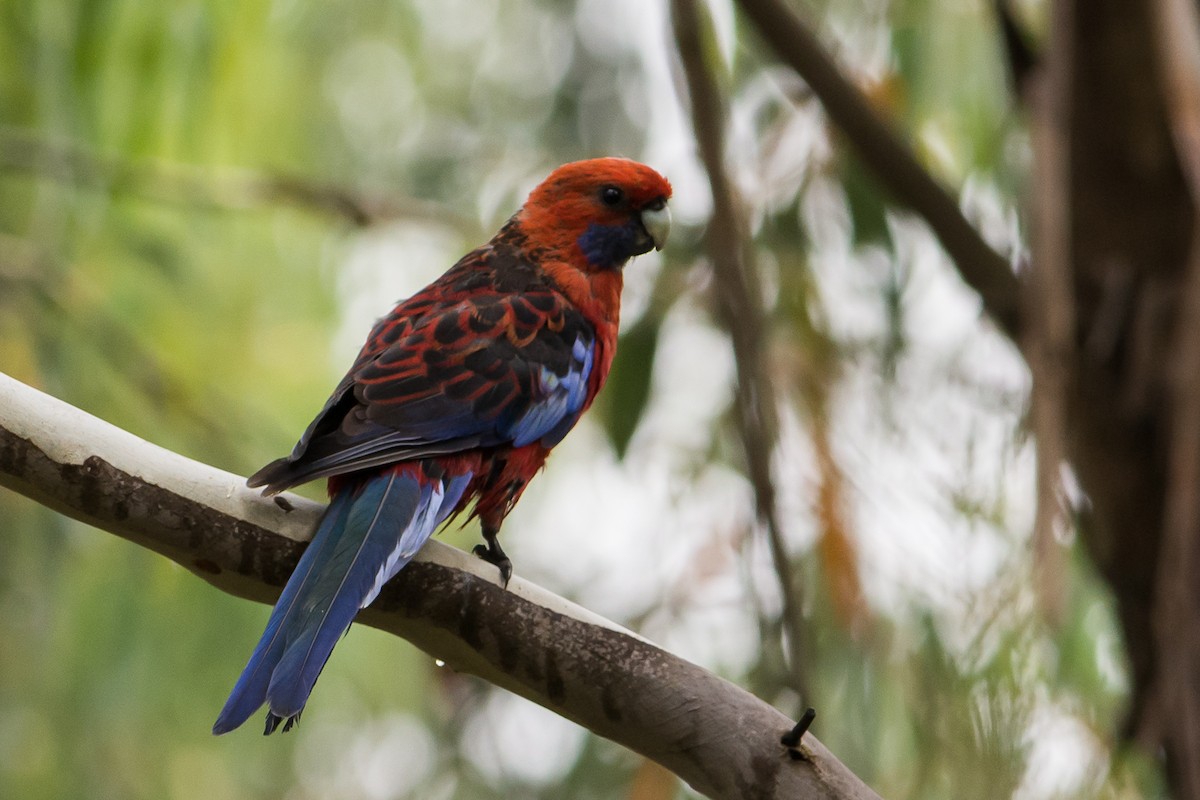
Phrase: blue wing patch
[562,400]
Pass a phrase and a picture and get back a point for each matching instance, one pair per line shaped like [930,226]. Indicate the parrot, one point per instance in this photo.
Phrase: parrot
[456,398]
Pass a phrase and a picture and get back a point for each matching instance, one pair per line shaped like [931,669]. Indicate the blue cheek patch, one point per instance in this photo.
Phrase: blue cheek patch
[607,245]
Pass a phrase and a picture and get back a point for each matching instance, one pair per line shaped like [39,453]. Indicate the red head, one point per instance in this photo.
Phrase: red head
[598,214]
[585,221]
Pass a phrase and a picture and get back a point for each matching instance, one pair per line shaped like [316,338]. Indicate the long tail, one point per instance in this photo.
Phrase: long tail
[369,533]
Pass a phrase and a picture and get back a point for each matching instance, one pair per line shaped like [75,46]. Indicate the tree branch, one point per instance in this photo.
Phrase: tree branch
[891,159]
[1050,302]
[717,737]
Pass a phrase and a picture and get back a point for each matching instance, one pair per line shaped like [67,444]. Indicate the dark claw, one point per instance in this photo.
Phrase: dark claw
[273,721]
[494,554]
[791,739]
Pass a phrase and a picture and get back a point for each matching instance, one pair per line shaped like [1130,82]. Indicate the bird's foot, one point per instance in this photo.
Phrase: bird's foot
[273,721]
[494,554]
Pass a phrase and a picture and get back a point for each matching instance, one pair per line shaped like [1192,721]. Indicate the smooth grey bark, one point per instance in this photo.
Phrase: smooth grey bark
[720,739]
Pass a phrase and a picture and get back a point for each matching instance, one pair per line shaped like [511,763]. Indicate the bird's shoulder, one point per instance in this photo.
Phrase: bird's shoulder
[505,273]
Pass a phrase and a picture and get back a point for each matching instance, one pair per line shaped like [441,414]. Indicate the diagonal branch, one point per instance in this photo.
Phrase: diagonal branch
[717,737]
[740,308]
[891,159]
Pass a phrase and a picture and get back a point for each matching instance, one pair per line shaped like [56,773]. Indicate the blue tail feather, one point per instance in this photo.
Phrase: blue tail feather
[366,537]
[250,691]
[385,506]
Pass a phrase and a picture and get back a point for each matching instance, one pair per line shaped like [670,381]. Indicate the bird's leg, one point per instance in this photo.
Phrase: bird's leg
[494,554]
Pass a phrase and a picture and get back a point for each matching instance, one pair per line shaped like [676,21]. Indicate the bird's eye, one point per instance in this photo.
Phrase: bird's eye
[611,196]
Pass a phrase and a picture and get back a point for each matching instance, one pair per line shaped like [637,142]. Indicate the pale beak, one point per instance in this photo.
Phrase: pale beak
[657,222]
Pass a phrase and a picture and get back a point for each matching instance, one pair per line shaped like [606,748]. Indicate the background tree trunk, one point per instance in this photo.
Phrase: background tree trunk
[1109,330]
[1131,232]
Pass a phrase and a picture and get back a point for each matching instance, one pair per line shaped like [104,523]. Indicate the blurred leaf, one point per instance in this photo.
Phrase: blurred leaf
[653,782]
[867,204]
[835,543]
[628,388]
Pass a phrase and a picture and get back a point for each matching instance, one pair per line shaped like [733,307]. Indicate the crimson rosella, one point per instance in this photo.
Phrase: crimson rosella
[457,397]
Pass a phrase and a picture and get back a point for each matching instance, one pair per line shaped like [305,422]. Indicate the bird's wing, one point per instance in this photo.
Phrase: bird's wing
[498,369]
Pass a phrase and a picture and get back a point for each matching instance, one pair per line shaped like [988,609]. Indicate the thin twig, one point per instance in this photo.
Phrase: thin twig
[225,190]
[1049,300]
[891,159]
[740,308]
